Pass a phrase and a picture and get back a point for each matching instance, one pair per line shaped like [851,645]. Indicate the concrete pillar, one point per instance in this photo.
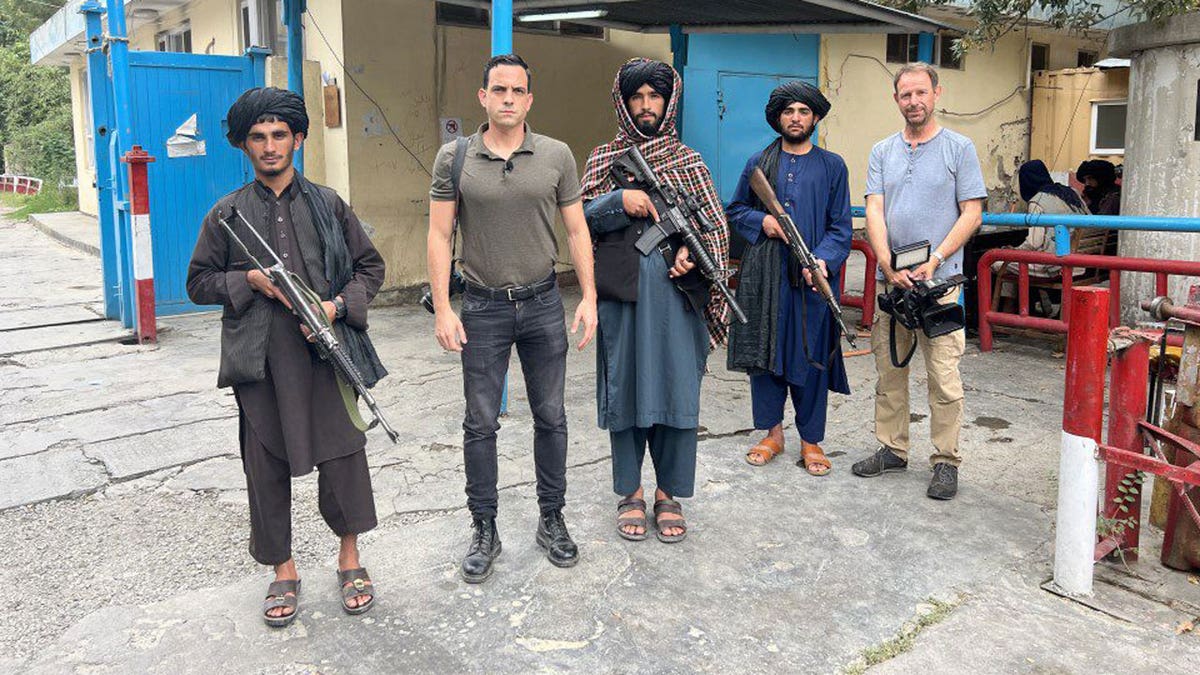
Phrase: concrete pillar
[1162,150]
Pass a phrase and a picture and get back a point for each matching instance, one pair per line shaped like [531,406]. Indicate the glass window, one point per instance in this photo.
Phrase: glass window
[1085,59]
[1108,127]
[1039,57]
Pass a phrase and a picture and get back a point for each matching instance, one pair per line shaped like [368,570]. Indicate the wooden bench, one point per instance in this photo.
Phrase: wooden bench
[1085,240]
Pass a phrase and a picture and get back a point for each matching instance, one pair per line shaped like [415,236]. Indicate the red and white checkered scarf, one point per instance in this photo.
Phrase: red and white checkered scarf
[678,166]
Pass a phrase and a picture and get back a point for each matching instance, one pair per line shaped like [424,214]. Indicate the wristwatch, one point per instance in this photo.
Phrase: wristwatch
[940,258]
[339,308]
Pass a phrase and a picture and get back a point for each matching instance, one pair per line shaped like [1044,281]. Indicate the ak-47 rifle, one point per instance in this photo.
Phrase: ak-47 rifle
[795,242]
[302,299]
[676,211]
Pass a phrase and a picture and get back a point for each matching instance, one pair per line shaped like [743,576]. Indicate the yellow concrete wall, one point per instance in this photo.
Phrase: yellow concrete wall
[1060,134]
[328,18]
[439,75]
[987,101]
[85,175]
[315,143]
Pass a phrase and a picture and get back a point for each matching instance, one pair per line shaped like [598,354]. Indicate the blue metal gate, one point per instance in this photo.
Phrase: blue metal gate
[726,84]
[167,90]
[143,98]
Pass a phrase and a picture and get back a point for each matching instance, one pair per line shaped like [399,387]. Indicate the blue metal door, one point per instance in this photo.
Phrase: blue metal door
[741,129]
[167,89]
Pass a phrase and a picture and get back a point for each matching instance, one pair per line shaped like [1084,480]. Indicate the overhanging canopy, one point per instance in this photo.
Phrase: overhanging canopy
[734,16]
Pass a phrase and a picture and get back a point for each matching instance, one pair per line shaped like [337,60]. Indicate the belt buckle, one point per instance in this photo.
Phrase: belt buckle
[509,293]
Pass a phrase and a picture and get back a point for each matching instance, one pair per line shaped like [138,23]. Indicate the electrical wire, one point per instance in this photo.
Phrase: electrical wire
[350,76]
[1067,134]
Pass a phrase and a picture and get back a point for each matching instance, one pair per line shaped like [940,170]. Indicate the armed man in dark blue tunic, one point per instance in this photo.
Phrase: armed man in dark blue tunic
[791,343]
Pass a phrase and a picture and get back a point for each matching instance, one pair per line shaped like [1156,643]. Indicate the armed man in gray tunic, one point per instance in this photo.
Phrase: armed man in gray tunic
[292,415]
[658,316]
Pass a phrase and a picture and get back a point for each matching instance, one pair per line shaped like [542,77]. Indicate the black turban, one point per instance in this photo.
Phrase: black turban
[657,74]
[795,92]
[1103,171]
[255,103]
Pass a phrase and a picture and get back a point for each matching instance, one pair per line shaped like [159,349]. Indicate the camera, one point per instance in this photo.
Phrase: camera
[457,285]
[917,308]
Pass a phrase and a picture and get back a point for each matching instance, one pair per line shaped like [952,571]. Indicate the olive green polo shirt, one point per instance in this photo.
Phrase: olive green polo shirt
[507,210]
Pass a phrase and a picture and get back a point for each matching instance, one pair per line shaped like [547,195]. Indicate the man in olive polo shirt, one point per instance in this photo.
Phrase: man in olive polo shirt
[512,183]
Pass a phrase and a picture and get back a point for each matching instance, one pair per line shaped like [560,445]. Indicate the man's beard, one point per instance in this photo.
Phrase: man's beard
[798,138]
[918,122]
[648,126]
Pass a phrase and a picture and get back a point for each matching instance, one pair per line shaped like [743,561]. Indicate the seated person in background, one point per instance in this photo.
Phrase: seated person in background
[1101,192]
[1043,196]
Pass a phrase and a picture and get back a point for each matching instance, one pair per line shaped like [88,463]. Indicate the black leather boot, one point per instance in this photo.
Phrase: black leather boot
[485,548]
[552,535]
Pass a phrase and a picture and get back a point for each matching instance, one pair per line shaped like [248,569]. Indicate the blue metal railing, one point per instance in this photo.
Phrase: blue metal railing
[1062,223]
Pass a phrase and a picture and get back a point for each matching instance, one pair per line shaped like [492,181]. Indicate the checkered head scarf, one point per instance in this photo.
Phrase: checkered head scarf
[677,165]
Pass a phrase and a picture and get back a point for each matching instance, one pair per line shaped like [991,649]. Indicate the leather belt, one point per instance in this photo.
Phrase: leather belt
[513,293]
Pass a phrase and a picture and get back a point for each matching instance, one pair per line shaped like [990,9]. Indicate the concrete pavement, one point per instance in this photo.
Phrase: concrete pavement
[123,511]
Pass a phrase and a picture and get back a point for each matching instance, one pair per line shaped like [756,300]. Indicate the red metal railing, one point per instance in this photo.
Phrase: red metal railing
[866,301]
[22,185]
[989,316]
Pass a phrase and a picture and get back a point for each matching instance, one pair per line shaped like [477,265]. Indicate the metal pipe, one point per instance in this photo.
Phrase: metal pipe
[1083,414]
[1145,223]
[98,98]
[122,141]
[502,27]
[1161,308]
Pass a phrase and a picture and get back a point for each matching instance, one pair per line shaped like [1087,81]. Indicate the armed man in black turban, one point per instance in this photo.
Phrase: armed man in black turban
[293,416]
[791,343]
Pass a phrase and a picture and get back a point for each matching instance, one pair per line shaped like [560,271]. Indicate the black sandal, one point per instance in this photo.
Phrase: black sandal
[625,506]
[669,506]
[356,583]
[278,596]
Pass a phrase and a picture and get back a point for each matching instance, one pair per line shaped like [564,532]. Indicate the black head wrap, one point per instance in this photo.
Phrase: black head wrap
[1103,171]
[795,92]
[657,74]
[260,101]
[1033,177]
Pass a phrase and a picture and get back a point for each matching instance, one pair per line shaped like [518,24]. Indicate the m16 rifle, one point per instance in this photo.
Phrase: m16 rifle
[676,212]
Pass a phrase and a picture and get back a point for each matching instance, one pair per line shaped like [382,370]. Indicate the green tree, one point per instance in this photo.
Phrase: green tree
[35,102]
[996,18]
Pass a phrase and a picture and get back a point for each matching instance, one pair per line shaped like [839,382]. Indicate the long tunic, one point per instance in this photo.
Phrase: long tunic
[296,412]
[652,352]
[814,191]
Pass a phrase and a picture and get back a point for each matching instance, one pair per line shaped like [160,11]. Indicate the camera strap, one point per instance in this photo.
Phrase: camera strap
[892,345]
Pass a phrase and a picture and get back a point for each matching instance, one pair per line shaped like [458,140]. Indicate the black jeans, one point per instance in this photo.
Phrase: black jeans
[537,327]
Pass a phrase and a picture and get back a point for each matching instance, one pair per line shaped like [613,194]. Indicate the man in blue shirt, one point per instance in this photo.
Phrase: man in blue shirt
[923,184]
[802,354]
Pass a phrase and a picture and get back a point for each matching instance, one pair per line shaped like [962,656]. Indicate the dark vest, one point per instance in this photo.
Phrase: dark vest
[617,262]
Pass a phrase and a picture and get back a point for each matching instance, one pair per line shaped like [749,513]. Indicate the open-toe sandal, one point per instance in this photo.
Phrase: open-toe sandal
[285,593]
[356,583]
[669,506]
[623,521]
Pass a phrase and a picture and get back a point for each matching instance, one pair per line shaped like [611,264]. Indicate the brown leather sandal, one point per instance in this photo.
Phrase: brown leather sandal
[766,450]
[356,583]
[632,504]
[662,506]
[285,593]
[811,455]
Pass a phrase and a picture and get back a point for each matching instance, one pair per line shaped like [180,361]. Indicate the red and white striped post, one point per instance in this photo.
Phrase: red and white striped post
[1083,415]
[145,326]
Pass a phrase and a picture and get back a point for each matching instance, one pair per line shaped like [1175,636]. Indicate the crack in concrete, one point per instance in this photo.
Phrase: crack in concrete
[101,408]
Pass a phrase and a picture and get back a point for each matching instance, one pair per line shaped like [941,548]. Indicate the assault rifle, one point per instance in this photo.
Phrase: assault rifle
[676,211]
[795,242]
[303,299]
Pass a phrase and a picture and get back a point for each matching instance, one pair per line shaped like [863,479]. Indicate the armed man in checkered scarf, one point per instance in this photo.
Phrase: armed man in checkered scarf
[658,316]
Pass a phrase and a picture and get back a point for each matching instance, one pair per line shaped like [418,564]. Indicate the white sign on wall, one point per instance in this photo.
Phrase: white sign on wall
[451,128]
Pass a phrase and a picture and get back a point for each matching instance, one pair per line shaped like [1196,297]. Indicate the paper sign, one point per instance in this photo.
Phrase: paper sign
[186,141]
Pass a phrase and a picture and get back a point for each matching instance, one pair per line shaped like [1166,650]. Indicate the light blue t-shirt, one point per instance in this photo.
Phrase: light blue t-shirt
[922,187]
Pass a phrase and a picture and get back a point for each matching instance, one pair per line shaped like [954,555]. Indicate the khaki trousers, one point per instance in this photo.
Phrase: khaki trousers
[942,356]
